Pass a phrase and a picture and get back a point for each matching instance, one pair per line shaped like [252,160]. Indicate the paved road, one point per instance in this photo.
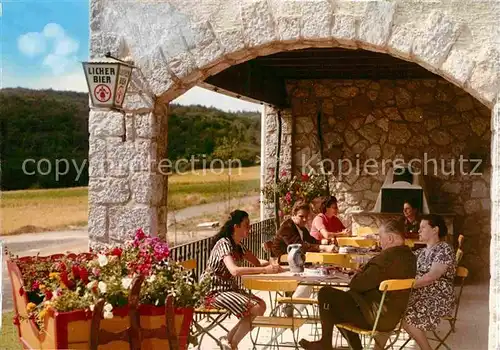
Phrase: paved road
[47,243]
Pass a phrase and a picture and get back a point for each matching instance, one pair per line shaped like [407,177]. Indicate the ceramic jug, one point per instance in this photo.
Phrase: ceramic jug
[295,258]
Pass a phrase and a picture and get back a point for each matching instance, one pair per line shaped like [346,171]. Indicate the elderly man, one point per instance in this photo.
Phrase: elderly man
[359,305]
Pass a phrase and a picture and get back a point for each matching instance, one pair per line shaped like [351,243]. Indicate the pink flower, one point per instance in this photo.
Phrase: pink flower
[281,214]
[140,235]
[288,197]
[283,173]
[96,271]
[35,285]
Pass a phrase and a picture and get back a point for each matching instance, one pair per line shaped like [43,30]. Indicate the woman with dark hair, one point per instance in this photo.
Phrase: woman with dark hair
[327,225]
[411,216]
[227,252]
[433,297]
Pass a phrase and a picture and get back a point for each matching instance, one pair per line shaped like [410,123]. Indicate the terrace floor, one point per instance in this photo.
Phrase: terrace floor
[471,328]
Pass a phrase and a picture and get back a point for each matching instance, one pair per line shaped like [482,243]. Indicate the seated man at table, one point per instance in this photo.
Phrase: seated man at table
[293,231]
[359,305]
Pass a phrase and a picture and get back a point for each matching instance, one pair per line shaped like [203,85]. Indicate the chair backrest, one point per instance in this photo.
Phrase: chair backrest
[460,241]
[189,264]
[394,285]
[270,285]
[459,255]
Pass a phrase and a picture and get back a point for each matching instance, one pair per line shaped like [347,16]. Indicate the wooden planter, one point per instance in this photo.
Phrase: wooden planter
[132,327]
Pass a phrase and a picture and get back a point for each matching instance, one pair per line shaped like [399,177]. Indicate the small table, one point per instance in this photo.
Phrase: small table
[303,278]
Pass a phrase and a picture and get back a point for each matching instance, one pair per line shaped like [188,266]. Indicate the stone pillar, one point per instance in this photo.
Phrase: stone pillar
[269,147]
[127,185]
[494,325]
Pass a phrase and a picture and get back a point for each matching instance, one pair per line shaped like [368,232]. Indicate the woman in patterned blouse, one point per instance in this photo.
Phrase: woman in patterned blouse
[225,292]
[433,296]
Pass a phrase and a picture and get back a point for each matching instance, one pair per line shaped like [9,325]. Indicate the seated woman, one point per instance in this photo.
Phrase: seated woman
[434,295]
[411,217]
[327,225]
[225,292]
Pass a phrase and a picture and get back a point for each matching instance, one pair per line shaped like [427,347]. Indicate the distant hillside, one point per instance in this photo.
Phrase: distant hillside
[48,124]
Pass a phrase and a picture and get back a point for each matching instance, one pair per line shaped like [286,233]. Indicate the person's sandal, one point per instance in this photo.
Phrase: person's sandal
[224,343]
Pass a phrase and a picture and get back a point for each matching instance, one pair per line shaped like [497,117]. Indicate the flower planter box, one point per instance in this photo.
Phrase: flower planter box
[72,330]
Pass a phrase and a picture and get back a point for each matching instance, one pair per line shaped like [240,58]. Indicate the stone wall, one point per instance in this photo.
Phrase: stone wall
[389,120]
[127,186]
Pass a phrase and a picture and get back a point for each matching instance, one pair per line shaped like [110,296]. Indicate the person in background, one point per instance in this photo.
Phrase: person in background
[293,231]
[411,217]
[433,296]
[358,306]
[327,225]
[227,252]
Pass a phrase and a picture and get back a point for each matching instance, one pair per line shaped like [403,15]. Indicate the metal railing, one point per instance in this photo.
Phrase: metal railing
[260,232]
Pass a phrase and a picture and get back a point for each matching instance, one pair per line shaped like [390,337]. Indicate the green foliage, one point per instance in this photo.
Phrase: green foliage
[37,124]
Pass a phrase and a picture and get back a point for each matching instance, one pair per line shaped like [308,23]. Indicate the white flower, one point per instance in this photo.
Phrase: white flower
[108,308]
[151,278]
[102,259]
[91,284]
[91,307]
[157,302]
[102,287]
[126,282]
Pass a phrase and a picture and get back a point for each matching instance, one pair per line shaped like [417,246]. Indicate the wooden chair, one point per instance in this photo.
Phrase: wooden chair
[212,316]
[385,286]
[134,334]
[273,321]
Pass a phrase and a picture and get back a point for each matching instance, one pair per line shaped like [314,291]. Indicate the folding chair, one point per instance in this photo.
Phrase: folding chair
[462,273]
[460,241]
[385,286]
[213,316]
[459,255]
[273,321]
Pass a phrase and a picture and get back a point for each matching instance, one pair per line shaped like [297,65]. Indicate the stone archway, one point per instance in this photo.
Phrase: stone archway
[177,44]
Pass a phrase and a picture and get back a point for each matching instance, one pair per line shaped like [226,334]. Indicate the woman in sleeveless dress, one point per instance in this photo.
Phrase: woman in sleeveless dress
[223,265]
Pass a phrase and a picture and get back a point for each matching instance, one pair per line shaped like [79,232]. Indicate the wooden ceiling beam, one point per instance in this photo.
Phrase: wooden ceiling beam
[254,81]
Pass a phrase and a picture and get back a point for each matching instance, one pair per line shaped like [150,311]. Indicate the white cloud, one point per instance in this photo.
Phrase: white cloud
[59,63]
[31,44]
[53,30]
[62,56]
[204,97]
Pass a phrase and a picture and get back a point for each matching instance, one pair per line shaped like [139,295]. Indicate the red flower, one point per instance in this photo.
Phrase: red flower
[139,234]
[117,252]
[48,294]
[15,320]
[305,177]
[76,271]
[21,291]
[84,275]
[35,285]
[283,173]
[67,282]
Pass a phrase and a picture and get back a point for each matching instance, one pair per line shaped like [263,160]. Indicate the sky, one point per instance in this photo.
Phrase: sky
[43,45]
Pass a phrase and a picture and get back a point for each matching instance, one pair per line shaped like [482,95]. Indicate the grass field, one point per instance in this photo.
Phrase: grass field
[52,209]
[8,335]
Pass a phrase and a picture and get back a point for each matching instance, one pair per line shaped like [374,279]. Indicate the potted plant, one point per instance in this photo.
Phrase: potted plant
[54,296]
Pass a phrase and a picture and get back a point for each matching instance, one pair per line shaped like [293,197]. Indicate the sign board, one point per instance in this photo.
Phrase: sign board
[107,82]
